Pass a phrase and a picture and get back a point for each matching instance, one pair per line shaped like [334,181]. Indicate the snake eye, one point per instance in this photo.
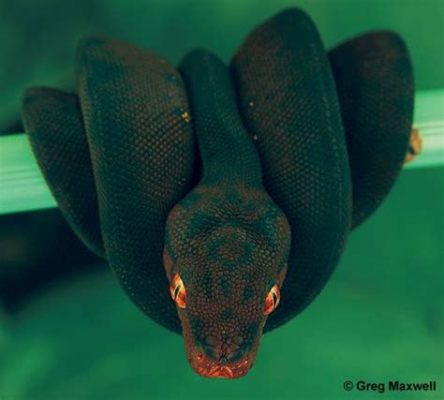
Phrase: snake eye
[272,300]
[178,292]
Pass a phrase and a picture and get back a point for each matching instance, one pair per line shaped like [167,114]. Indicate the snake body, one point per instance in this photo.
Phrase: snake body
[228,184]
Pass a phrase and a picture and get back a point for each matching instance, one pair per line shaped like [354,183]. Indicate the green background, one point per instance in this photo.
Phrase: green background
[381,316]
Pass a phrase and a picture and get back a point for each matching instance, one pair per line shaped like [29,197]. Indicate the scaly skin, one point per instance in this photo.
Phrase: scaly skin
[219,186]
[230,246]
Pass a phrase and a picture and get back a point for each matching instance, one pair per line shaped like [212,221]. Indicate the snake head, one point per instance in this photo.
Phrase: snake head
[225,256]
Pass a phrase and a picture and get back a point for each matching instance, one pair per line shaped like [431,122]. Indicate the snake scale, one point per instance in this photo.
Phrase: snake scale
[231,189]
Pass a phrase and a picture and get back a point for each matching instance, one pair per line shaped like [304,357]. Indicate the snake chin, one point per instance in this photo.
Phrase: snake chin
[208,368]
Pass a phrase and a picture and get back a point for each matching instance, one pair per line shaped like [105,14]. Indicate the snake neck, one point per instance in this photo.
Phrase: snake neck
[227,152]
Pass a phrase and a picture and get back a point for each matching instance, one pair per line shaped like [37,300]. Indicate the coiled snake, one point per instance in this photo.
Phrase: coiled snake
[236,187]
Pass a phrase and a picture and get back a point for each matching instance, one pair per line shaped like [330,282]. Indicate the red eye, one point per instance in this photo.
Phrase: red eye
[272,300]
[178,292]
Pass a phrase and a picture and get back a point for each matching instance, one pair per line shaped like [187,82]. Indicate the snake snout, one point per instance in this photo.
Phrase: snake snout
[225,352]
[220,366]
[228,358]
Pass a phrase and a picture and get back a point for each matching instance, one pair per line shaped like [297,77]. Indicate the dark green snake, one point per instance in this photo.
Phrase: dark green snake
[229,185]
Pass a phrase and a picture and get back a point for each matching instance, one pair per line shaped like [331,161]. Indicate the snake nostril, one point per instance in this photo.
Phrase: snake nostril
[211,352]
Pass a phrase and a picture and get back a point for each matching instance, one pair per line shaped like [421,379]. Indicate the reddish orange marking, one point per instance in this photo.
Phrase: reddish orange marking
[272,300]
[178,292]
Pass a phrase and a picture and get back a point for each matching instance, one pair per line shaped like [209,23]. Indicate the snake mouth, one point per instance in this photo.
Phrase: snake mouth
[209,368]
[229,357]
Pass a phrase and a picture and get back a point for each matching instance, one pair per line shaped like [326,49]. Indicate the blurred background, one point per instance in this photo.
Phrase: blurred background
[68,332]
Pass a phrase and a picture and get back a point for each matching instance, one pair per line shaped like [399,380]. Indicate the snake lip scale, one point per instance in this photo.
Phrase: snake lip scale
[222,196]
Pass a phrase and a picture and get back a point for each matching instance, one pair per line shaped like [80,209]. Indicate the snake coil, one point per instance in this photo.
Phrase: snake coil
[331,131]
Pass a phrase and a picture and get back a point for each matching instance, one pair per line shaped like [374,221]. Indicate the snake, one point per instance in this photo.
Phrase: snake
[222,195]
